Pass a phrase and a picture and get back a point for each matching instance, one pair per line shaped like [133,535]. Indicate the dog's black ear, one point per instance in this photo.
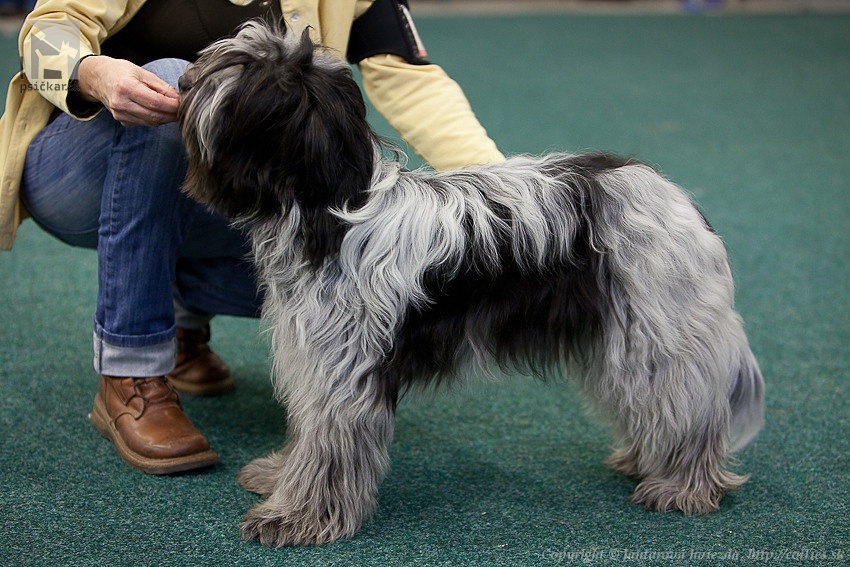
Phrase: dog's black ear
[336,153]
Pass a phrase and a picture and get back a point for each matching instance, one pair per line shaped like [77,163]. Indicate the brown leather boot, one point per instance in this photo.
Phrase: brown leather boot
[199,371]
[143,418]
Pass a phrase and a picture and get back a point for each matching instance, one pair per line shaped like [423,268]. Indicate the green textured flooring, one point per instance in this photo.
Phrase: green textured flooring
[750,113]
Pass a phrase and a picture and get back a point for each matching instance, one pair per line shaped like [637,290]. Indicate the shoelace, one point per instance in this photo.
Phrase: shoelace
[138,383]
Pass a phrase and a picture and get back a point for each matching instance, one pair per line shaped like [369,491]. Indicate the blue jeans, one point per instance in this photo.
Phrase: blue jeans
[98,184]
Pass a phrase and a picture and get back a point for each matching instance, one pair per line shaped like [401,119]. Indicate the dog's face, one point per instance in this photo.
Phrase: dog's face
[271,122]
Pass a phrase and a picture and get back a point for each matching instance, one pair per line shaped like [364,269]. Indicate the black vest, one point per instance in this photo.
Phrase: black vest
[180,28]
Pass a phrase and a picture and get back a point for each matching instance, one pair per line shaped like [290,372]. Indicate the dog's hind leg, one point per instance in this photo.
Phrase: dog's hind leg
[674,412]
[669,366]
[679,470]
[673,427]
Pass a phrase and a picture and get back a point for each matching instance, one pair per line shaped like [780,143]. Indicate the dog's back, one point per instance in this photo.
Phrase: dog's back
[542,257]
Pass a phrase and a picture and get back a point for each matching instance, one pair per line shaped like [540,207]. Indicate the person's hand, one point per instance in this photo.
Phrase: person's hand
[134,96]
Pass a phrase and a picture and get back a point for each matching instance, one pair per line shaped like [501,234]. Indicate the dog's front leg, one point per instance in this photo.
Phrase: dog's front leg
[323,485]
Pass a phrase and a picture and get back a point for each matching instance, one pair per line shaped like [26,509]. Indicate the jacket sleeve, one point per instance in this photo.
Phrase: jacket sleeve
[57,35]
[430,112]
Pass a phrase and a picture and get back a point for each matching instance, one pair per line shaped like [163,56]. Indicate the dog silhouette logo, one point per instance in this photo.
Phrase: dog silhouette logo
[54,52]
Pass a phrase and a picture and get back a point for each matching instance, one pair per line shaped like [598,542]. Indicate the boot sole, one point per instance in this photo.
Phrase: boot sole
[101,422]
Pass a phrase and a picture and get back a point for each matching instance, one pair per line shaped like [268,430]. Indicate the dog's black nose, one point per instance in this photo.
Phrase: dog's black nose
[184,83]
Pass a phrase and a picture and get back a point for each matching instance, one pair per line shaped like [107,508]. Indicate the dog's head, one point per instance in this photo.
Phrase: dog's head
[272,122]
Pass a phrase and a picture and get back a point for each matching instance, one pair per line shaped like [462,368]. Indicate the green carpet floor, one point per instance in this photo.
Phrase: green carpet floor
[750,113]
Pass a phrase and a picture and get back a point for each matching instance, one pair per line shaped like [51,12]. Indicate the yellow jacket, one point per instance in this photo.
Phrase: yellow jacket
[421,102]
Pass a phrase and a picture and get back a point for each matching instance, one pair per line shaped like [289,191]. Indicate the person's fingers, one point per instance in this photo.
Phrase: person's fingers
[146,100]
[134,96]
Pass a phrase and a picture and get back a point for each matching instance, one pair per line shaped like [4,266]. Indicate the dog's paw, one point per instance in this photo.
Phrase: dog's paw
[261,475]
[703,497]
[274,526]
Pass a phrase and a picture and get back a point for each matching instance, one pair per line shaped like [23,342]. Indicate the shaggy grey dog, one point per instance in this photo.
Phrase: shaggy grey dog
[377,278]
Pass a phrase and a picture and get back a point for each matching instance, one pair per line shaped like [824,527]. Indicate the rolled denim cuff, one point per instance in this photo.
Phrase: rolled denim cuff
[139,362]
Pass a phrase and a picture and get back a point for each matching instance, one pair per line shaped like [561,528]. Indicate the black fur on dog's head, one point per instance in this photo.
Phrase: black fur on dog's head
[272,122]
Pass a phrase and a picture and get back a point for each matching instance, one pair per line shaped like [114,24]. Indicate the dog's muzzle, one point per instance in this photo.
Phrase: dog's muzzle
[186,80]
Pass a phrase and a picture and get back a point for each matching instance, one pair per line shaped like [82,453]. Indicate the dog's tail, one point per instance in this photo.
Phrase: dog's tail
[746,399]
